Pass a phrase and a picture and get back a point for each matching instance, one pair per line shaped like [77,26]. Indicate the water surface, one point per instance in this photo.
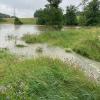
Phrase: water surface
[10,30]
[10,37]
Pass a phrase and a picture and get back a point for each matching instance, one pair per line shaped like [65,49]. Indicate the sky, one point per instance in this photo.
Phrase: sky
[26,8]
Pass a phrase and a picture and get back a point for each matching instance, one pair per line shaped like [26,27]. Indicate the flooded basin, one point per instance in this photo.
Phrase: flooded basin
[9,30]
[10,38]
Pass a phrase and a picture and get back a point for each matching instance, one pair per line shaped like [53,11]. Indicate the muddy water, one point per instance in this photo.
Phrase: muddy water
[9,30]
[10,37]
[90,67]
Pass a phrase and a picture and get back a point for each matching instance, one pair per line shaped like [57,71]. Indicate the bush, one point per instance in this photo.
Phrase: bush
[92,13]
[51,15]
[71,18]
[17,21]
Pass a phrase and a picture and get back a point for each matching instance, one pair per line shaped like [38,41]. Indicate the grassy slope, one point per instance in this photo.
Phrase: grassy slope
[23,20]
[43,79]
[85,41]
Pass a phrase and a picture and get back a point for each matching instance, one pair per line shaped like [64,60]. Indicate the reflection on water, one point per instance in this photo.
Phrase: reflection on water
[9,31]
[10,39]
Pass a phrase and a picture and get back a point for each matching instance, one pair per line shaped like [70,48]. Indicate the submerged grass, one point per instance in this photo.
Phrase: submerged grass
[43,79]
[85,41]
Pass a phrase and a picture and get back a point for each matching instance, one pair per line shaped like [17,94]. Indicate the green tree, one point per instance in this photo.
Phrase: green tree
[37,13]
[51,15]
[41,16]
[54,3]
[55,17]
[71,17]
[82,19]
[92,13]
[17,21]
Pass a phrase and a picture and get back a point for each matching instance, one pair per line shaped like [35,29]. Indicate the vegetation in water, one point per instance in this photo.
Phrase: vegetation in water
[39,50]
[84,41]
[49,79]
[20,46]
[17,21]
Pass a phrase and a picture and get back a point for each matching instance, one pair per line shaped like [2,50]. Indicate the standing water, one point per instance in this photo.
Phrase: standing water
[9,30]
[10,35]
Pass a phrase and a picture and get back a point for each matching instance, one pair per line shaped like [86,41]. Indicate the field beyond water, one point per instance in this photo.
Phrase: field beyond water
[43,79]
[84,41]
[23,20]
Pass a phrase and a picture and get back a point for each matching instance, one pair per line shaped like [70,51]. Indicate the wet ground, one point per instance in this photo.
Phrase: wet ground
[90,67]
[10,38]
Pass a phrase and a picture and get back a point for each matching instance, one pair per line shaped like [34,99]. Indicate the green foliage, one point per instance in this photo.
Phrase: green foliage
[55,17]
[54,3]
[40,15]
[2,20]
[43,79]
[20,46]
[39,50]
[51,15]
[84,41]
[82,19]
[37,13]
[92,13]
[71,17]
[17,21]
[30,38]
[30,21]
[89,48]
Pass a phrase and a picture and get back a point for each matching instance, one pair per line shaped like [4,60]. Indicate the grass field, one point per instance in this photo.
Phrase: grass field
[85,41]
[43,79]
[23,20]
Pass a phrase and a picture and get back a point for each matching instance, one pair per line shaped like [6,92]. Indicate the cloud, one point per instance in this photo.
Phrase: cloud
[23,4]
[26,8]
[17,3]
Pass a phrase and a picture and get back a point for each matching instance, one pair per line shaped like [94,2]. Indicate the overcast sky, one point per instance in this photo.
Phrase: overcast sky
[26,8]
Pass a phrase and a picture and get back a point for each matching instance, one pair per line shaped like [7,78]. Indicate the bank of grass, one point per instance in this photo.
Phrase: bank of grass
[43,79]
[29,21]
[85,41]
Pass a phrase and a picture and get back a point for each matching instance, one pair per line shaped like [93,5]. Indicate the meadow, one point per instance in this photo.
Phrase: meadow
[47,79]
[30,21]
[84,41]
[43,79]
[51,75]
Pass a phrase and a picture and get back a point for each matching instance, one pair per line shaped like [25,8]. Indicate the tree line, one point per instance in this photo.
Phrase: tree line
[53,15]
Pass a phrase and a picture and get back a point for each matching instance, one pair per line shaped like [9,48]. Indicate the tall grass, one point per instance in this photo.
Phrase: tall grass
[85,41]
[43,79]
